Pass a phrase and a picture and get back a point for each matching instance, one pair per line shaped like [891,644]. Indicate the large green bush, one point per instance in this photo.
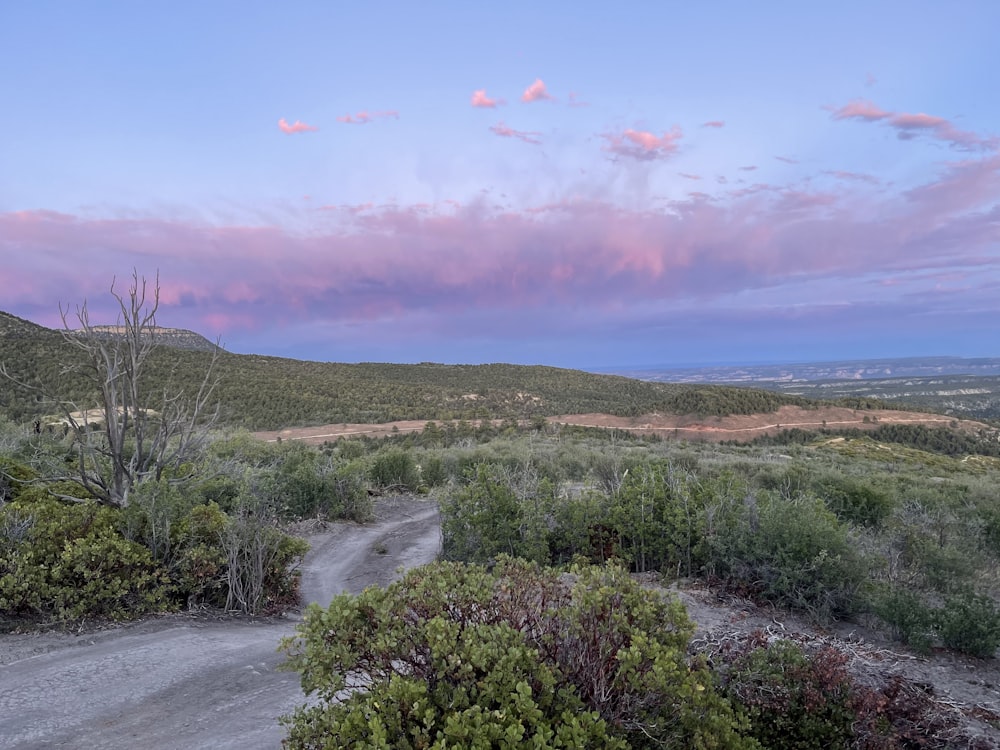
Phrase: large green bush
[657,518]
[794,553]
[500,511]
[69,562]
[457,656]
[395,469]
[969,623]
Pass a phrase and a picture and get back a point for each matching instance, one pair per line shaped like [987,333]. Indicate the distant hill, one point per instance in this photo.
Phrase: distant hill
[262,393]
[177,338]
[957,386]
[862,369]
[14,327]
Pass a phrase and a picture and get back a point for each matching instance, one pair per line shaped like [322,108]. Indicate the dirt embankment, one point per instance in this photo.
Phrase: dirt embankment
[740,427]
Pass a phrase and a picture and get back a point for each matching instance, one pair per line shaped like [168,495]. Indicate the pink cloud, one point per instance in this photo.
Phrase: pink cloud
[528,136]
[787,159]
[397,270]
[575,101]
[479,99]
[364,117]
[714,124]
[688,176]
[295,127]
[536,92]
[911,125]
[642,144]
[860,109]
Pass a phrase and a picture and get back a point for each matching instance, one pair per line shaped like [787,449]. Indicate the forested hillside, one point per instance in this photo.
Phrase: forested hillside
[260,393]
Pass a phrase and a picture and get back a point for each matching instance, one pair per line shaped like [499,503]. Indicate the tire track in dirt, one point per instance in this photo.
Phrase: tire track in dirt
[177,682]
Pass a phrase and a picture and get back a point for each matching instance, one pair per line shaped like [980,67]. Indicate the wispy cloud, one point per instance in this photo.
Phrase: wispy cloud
[689,176]
[575,101]
[528,136]
[295,127]
[787,159]
[852,176]
[364,117]
[480,99]
[536,92]
[714,124]
[912,125]
[642,144]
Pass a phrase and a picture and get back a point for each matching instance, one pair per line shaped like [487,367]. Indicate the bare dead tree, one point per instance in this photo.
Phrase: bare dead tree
[127,440]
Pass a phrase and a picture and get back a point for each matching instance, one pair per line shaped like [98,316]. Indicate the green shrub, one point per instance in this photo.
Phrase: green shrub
[457,656]
[432,471]
[581,528]
[794,553]
[793,701]
[105,575]
[71,563]
[499,512]
[657,517]
[908,616]
[351,449]
[854,500]
[351,493]
[396,469]
[13,478]
[970,623]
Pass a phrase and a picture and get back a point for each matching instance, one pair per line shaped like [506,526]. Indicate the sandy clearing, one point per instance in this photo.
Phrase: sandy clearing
[687,427]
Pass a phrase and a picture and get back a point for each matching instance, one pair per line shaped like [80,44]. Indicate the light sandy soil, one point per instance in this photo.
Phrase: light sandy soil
[735,427]
[187,682]
[748,426]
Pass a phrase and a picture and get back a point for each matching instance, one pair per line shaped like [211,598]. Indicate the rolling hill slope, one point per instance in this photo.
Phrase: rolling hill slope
[260,392]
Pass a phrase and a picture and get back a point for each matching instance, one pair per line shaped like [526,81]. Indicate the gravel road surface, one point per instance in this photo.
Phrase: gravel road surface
[184,682]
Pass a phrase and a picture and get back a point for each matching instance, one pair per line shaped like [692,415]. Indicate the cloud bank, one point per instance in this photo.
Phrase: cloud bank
[572,268]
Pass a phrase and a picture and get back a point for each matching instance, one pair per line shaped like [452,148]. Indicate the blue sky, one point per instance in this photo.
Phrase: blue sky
[575,184]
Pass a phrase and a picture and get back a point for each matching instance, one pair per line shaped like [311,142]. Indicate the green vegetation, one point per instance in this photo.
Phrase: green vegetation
[507,641]
[517,656]
[216,541]
[264,393]
[836,528]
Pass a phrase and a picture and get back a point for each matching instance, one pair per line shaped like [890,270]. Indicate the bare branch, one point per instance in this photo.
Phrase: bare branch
[127,440]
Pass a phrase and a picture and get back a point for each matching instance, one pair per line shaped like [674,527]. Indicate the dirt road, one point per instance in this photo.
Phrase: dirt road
[181,682]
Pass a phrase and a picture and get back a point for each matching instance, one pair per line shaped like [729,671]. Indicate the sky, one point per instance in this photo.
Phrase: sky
[583,184]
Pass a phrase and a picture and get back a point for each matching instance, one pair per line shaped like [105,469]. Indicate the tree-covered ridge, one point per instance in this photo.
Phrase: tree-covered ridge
[259,392]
